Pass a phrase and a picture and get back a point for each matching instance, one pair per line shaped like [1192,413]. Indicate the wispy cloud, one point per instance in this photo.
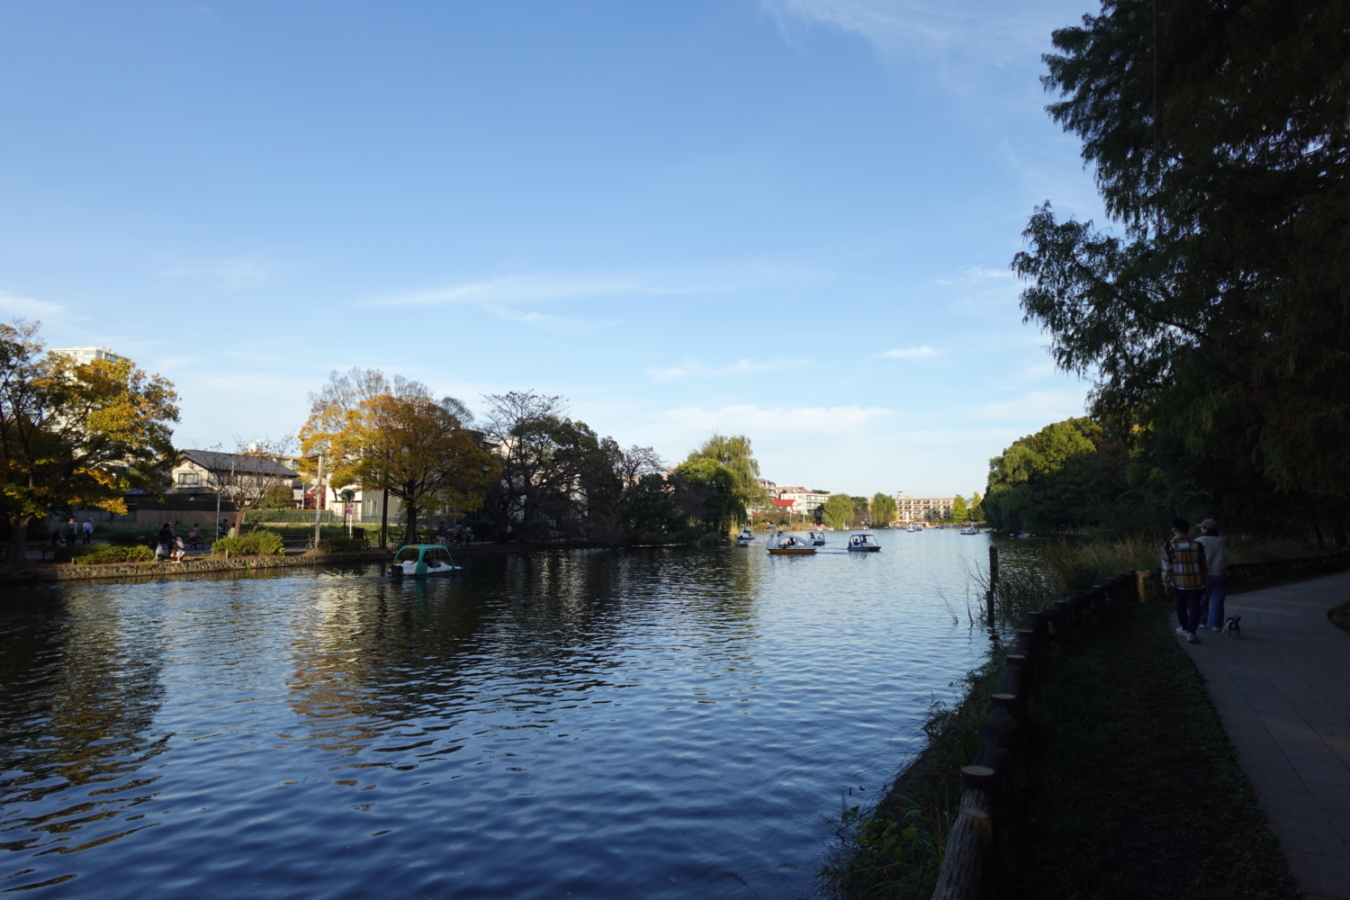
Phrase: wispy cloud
[920,26]
[690,368]
[28,307]
[978,275]
[230,274]
[922,352]
[552,286]
[1041,407]
[834,421]
[548,322]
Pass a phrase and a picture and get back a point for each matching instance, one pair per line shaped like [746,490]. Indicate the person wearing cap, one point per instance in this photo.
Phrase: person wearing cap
[1216,560]
[1184,571]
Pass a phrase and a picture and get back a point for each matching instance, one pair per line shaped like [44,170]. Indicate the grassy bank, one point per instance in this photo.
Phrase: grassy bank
[894,848]
[1133,789]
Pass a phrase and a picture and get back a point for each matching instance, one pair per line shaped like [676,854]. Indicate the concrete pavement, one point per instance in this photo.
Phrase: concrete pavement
[1283,695]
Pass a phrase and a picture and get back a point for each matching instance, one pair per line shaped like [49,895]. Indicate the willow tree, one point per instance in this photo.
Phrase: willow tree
[1219,306]
[838,511]
[734,452]
[883,509]
[75,434]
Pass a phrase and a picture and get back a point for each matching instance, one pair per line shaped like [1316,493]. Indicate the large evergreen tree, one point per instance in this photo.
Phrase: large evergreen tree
[1219,131]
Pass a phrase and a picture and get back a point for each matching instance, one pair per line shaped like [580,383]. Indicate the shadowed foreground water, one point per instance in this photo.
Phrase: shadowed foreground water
[598,724]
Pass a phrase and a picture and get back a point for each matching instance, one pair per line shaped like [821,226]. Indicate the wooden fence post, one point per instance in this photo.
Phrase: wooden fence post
[993,583]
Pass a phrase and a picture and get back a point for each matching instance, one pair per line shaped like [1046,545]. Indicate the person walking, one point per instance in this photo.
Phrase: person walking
[88,531]
[1183,569]
[1216,561]
[72,529]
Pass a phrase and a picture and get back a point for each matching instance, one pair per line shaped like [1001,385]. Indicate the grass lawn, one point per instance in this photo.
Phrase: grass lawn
[1133,790]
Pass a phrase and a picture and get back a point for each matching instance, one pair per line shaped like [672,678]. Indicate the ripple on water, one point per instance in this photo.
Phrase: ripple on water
[652,723]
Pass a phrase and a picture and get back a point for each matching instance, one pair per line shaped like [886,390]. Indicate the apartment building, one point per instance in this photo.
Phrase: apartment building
[912,509]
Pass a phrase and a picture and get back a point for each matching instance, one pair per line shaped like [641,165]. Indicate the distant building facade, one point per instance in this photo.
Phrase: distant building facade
[84,355]
[805,501]
[913,509]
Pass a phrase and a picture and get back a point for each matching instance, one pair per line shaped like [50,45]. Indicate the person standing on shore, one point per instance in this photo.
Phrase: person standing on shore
[1216,561]
[88,531]
[1183,569]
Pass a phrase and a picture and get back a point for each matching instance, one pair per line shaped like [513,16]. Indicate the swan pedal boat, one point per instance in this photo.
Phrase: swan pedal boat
[863,542]
[745,537]
[816,538]
[789,545]
[970,529]
[421,560]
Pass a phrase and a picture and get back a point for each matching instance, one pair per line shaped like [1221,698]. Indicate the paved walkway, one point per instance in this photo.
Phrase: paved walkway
[1283,694]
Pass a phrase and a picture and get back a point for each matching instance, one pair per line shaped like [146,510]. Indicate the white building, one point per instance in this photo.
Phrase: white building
[912,509]
[805,501]
[84,355]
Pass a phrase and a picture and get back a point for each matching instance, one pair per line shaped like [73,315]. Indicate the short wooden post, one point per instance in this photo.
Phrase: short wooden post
[993,584]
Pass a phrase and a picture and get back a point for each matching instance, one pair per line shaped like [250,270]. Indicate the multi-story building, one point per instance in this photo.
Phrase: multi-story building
[88,354]
[805,501]
[913,509]
[771,494]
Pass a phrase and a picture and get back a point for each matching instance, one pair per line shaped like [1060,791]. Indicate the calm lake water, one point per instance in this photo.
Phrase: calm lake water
[596,724]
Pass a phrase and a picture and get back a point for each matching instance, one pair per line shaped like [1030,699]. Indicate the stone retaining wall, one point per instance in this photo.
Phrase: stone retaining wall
[70,572]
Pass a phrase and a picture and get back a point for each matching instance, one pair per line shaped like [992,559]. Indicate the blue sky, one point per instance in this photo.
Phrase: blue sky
[790,219]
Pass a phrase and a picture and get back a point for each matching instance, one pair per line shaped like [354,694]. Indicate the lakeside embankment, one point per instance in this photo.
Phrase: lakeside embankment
[68,572]
[1129,785]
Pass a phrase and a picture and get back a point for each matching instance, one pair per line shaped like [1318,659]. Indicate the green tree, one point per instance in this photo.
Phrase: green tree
[1219,139]
[960,512]
[976,508]
[75,434]
[734,452]
[707,492]
[838,511]
[278,497]
[883,509]
[1062,476]
[395,436]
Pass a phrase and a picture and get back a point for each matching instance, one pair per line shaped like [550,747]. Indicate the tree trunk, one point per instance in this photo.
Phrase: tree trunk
[18,537]
[1317,529]
[410,514]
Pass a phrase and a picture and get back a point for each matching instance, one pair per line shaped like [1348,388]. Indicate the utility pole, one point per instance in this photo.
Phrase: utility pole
[318,503]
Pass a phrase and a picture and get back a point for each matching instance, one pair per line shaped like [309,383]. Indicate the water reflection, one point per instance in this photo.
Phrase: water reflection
[657,723]
[81,688]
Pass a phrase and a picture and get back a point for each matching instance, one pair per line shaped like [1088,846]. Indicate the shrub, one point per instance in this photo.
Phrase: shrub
[133,537]
[112,553]
[252,543]
[103,553]
[344,545]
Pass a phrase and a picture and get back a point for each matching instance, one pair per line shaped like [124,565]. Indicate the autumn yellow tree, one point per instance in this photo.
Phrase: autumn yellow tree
[75,434]
[395,436]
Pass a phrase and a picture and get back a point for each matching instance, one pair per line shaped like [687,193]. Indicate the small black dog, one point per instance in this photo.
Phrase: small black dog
[1233,627]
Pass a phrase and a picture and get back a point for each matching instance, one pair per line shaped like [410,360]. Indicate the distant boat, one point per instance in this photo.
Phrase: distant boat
[788,544]
[745,537]
[816,538]
[970,529]
[910,529]
[863,542]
